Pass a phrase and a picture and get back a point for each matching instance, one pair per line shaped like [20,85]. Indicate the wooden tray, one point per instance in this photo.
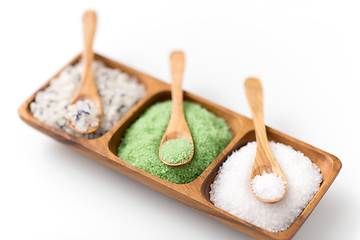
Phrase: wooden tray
[196,193]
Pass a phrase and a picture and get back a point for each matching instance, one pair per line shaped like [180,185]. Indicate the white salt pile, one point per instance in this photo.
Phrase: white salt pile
[231,192]
[83,115]
[268,186]
[118,91]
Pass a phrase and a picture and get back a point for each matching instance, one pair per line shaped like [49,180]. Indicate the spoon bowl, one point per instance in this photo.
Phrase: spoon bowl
[177,128]
[87,88]
[264,159]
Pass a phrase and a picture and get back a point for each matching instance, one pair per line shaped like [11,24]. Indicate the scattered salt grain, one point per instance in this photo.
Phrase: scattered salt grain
[118,91]
[231,192]
[268,186]
[83,115]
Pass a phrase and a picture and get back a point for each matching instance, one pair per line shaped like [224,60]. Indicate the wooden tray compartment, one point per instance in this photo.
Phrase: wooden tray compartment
[329,166]
[194,194]
[234,122]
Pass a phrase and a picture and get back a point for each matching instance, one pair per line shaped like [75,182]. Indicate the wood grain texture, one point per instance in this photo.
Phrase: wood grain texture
[87,87]
[196,193]
[264,158]
[177,127]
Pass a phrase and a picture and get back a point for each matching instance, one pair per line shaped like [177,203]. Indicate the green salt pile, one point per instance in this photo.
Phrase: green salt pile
[176,151]
[141,142]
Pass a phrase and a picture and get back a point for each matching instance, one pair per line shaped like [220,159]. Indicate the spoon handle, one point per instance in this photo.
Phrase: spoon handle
[254,95]
[87,86]
[177,69]
[89,27]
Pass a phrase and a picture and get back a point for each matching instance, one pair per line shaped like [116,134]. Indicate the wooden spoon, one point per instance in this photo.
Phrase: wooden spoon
[264,159]
[87,88]
[177,128]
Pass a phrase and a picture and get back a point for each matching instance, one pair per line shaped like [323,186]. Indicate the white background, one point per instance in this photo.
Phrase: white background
[306,53]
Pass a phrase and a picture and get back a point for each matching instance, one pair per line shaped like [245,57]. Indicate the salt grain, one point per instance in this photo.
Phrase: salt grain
[51,104]
[83,115]
[268,186]
[231,192]
[176,151]
[141,141]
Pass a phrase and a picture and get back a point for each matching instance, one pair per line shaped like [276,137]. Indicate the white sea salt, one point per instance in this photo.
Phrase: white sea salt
[118,91]
[268,186]
[83,115]
[231,191]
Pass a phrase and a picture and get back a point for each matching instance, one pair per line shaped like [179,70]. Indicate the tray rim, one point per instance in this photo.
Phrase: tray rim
[190,193]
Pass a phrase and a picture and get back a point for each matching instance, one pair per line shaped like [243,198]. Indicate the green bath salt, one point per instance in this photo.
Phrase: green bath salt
[176,151]
[141,142]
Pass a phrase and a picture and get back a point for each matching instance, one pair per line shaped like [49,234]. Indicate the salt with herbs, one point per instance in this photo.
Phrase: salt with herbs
[118,92]
[83,115]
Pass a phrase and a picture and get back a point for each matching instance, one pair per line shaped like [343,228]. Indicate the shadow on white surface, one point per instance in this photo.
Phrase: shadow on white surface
[120,201]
